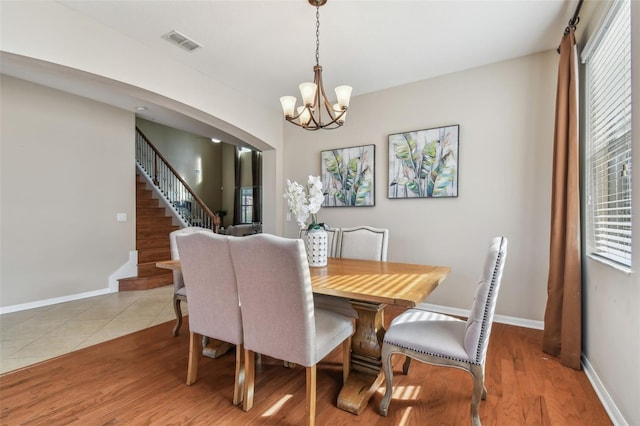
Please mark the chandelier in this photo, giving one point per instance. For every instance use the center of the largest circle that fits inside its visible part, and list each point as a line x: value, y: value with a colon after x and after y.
x: 309, y: 116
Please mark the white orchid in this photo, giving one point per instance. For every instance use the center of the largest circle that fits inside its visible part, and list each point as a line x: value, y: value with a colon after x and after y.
x: 305, y: 201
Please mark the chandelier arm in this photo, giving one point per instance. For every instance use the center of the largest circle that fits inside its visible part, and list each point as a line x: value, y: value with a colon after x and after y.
x: 317, y: 103
x: 290, y: 120
x: 296, y: 116
x: 317, y: 124
x: 327, y: 105
x: 311, y: 128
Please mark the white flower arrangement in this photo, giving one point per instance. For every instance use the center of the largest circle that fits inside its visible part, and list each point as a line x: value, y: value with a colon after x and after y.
x: 305, y: 201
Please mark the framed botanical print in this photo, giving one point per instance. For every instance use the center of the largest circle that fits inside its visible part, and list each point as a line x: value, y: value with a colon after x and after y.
x: 348, y: 176
x: 424, y: 163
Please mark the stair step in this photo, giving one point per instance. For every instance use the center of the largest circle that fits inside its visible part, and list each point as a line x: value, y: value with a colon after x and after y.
x: 144, y: 194
x: 150, y: 269
x: 154, y: 231
x: 144, y: 283
x: 148, y: 202
x: 150, y: 211
x: 150, y: 243
x: 145, y: 221
x: 154, y: 254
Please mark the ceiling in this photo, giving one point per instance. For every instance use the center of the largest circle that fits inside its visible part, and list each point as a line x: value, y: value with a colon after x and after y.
x: 266, y: 48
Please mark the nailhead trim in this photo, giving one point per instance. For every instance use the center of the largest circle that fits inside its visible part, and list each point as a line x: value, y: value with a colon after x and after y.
x: 483, y: 328
x: 433, y: 354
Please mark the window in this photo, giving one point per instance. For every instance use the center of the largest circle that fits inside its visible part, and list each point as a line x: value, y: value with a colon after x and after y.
x: 608, y: 133
x: 246, y: 204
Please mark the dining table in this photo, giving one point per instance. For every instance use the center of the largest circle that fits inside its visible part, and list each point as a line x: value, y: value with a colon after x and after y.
x: 370, y: 286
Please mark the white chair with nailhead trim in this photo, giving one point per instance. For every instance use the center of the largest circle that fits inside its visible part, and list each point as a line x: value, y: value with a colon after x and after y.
x: 447, y: 341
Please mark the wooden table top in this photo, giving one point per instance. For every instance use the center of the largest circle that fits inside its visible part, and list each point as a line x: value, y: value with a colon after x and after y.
x: 394, y: 283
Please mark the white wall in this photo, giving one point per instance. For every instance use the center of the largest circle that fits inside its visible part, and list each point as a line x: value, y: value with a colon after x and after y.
x: 68, y: 166
x: 611, y: 296
x: 505, y: 113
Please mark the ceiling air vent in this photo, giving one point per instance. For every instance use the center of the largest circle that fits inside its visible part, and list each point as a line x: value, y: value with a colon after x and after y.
x: 182, y: 40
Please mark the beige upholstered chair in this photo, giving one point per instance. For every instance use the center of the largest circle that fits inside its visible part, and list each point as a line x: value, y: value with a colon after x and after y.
x: 363, y: 242
x: 214, y: 307
x: 446, y: 341
x: 179, y: 293
x: 278, y: 315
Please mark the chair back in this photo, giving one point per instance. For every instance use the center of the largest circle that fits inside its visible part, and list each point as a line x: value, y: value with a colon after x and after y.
x: 478, y: 327
x: 363, y: 242
x: 274, y: 285
x: 210, y: 282
x: 178, y: 281
x: 332, y: 240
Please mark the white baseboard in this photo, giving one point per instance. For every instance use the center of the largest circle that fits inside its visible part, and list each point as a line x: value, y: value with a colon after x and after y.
x: 503, y: 319
x: 609, y: 405
x: 53, y: 301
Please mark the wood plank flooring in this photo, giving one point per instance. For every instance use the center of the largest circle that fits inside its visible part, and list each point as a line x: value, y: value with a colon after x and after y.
x: 139, y: 379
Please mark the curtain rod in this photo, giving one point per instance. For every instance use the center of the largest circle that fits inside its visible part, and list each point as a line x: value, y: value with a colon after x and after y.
x: 573, y: 22
x: 575, y: 19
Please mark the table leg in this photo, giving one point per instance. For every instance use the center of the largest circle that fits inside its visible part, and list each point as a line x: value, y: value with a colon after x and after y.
x: 366, y: 364
x: 213, y: 348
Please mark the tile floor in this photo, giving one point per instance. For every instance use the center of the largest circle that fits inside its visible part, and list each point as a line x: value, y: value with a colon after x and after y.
x: 34, y: 335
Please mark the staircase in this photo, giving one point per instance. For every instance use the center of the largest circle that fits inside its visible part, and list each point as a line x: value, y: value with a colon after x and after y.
x: 152, y: 242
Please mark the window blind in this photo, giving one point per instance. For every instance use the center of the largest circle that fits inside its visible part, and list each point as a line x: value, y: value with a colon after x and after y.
x: 608, y: 102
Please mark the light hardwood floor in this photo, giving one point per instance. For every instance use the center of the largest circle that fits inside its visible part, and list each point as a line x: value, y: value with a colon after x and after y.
x: 140, y: 379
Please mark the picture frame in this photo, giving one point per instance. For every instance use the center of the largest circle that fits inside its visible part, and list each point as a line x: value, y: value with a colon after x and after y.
x: 424, y: 163
x: 348, y: 176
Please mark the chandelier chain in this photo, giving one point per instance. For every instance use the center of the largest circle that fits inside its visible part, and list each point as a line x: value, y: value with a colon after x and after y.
x: 317, y: 34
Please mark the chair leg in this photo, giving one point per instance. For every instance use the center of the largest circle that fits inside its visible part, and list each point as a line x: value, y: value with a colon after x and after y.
x: 477, y: 372
x: 249, y: 379
x: 194, y: 353
x: 311, y: 396
x: 238, y: 386
x: 388, y: 379
x: 405, y: 366
x: 178, y: 311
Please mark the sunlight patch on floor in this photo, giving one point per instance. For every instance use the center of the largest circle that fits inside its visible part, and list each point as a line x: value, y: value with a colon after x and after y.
x: 277, y: 406
x: 402, y: 392
x: 405, y: 416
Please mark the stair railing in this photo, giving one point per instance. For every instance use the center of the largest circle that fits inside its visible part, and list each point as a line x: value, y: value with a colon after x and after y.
x: 185, y: 202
